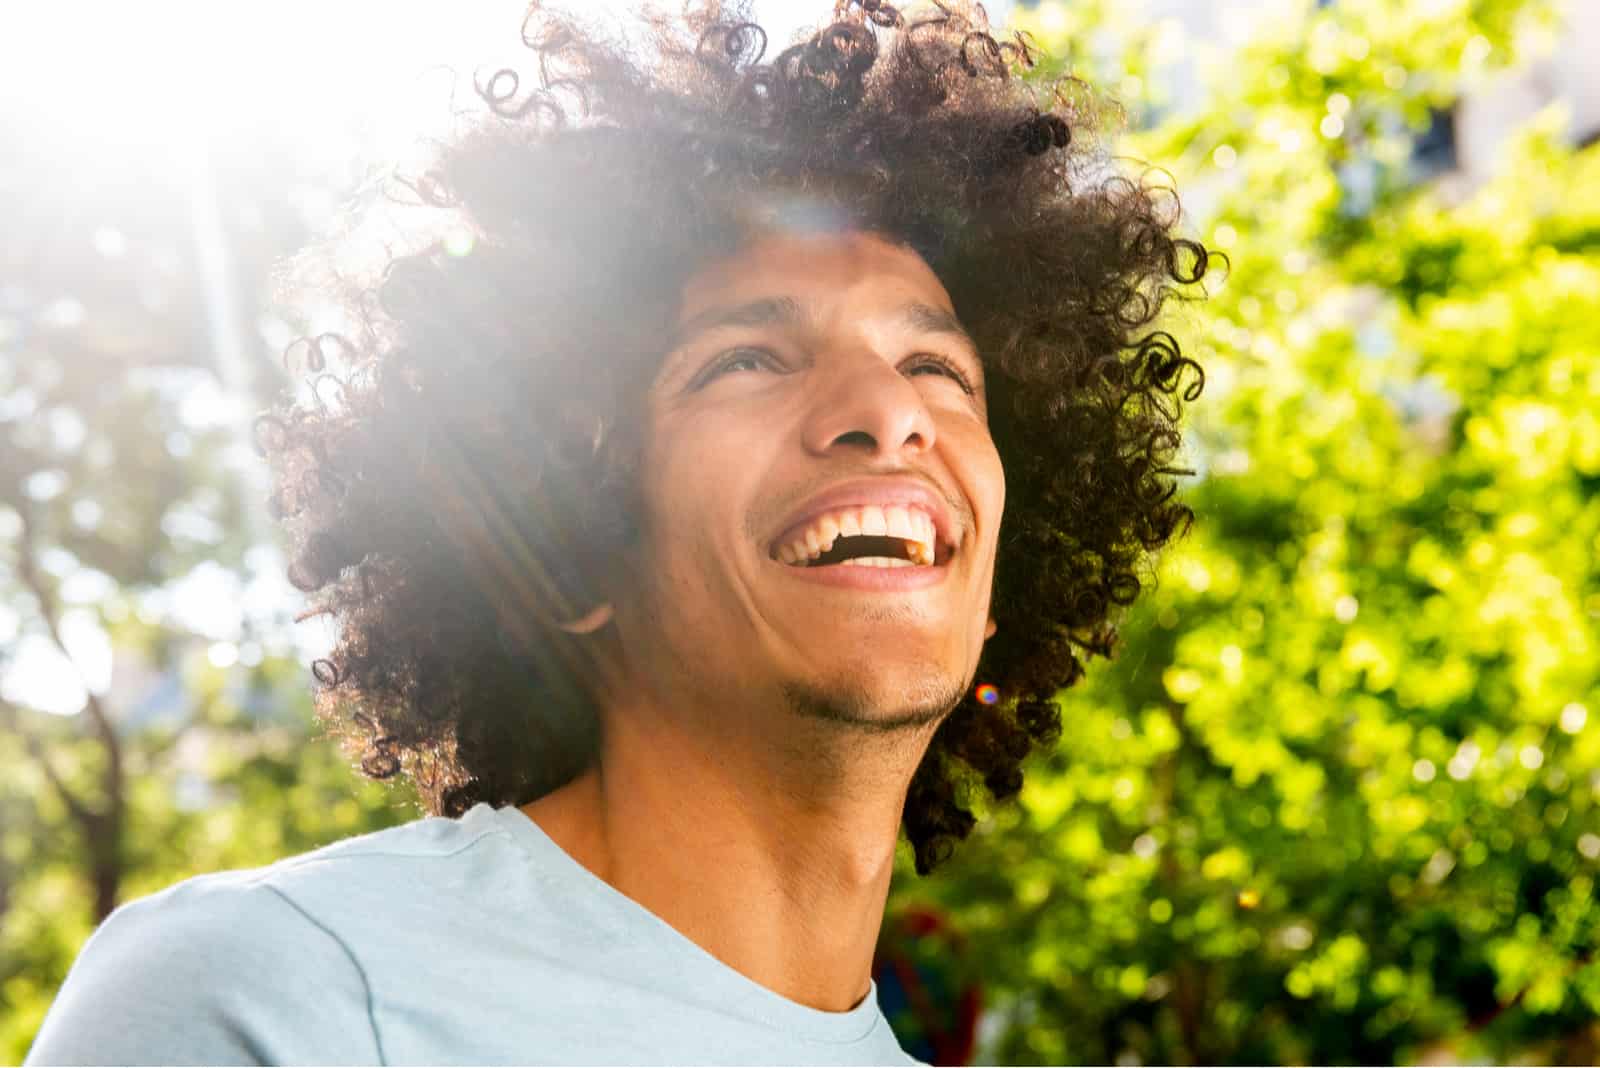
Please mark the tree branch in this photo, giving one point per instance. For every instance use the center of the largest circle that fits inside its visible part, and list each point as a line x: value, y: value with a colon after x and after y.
x: 102, y: 825
x: 75, y: 805
x: 49, y: 610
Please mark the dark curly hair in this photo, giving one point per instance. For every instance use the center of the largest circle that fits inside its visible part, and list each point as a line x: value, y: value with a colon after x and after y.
x: 466, y: 479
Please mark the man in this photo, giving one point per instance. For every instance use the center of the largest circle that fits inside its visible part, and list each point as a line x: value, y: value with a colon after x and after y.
x: 663, y: 522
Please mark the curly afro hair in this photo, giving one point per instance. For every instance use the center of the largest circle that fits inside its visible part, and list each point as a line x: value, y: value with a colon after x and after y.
x: 468, y: 478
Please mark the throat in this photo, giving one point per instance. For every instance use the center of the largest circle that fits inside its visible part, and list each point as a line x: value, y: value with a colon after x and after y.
x: 850, y: 547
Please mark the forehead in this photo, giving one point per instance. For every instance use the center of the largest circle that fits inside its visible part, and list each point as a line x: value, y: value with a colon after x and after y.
x: 814, y: 268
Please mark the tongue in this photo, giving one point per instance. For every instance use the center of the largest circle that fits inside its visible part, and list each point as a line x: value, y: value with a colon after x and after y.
x: 850, y: 547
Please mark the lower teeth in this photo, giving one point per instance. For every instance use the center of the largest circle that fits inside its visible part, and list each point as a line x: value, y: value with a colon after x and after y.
x: 875, y: 561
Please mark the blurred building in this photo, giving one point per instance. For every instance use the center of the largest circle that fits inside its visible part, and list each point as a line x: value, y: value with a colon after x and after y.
x: 1569, y: 74
x: 1465, y: 139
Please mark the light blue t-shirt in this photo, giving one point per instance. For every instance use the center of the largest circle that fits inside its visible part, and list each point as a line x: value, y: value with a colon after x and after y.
x: 470, y: 941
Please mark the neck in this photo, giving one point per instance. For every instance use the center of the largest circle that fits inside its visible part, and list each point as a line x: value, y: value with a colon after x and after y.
x: 774, y: 858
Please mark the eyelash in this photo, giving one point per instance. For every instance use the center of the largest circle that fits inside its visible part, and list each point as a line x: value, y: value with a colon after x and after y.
x: 745, y: 352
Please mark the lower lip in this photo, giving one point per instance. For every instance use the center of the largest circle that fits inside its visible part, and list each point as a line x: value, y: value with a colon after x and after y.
x: 880, y: 579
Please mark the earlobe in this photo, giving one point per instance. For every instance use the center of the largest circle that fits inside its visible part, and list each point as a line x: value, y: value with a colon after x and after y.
x: 590, y: 623
x: 988, y: 632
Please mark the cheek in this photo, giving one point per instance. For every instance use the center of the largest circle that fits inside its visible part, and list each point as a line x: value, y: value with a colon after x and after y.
x: 976, y: 462
x: 695, y: 487
x: 992, y: 473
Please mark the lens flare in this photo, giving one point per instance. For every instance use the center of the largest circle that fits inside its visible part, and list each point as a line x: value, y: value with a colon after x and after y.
x: 988, y: 694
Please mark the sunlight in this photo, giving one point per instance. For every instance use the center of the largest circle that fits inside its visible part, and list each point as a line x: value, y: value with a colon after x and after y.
x: 155, y: 76
x: 159, y: 75
x: 39, y: 676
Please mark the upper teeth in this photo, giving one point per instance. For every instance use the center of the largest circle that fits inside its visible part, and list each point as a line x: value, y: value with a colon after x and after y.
x: 898, y: 521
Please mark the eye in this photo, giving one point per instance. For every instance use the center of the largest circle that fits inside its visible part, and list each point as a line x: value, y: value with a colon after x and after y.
x: 742, y: 357
x: 942, y: 366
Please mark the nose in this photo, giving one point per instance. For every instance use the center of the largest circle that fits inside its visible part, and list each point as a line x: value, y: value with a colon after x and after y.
x: 865, y: 403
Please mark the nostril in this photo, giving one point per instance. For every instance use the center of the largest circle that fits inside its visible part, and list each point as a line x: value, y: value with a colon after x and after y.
x: 856, y: 437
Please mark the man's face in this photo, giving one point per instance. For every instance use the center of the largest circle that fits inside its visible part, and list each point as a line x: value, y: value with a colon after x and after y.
x: 819, y: 390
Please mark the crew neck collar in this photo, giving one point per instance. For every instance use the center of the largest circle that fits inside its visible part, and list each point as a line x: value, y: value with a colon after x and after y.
x: 739, y: 994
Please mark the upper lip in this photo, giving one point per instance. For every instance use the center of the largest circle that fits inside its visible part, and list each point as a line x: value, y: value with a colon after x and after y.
x: 883, y: 492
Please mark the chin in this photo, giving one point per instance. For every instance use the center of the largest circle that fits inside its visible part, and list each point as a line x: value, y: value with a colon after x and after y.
x: 895, y: 700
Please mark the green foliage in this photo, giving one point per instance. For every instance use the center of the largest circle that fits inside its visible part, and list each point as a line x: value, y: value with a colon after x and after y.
x: 1336, y: 801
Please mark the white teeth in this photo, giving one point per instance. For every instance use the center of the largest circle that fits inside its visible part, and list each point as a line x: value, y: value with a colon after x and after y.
x: 898, y: 521
x: 829, y: 531
x: 875, y: 561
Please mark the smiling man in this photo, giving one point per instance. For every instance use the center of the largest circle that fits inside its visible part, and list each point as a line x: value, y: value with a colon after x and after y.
x: 825, y: 500
x: 670, y: 516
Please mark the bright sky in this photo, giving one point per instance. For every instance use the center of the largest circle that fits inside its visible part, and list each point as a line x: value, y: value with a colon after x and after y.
x: 133, y: 69
x: 147, y: 71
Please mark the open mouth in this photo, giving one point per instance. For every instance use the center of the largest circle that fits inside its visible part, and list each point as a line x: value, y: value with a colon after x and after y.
x: 865, y: 537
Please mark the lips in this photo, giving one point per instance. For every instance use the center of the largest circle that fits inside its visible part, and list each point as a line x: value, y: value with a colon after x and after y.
x: 882, y: 493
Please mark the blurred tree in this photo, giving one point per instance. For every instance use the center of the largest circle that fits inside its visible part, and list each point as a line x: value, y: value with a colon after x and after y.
x: 123, y: 480
x: 1336, y: 800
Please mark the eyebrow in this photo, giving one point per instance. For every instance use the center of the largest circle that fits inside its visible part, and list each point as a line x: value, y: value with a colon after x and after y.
x: 768, y: 311
x: 933, y: 320
x: 786, y: 311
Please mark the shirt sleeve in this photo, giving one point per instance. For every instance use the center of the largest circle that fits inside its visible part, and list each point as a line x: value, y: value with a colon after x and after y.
x: 211, y: 971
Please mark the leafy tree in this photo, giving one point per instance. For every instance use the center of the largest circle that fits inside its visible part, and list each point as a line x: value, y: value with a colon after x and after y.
x: 122, y: 477
x: 1336, y: 799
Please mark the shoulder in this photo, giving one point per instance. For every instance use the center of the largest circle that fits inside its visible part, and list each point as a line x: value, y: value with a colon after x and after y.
x: 209, y: 927
x: 394, y: 879
x: 221, y: 969
x: 258, y: 966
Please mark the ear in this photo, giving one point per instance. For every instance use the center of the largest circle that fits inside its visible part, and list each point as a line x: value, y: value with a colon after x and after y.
x: 988, y: 632
x: 590, y: 623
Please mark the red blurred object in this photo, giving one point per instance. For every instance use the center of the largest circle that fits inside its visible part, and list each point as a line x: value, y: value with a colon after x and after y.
x: 945, y: 1011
